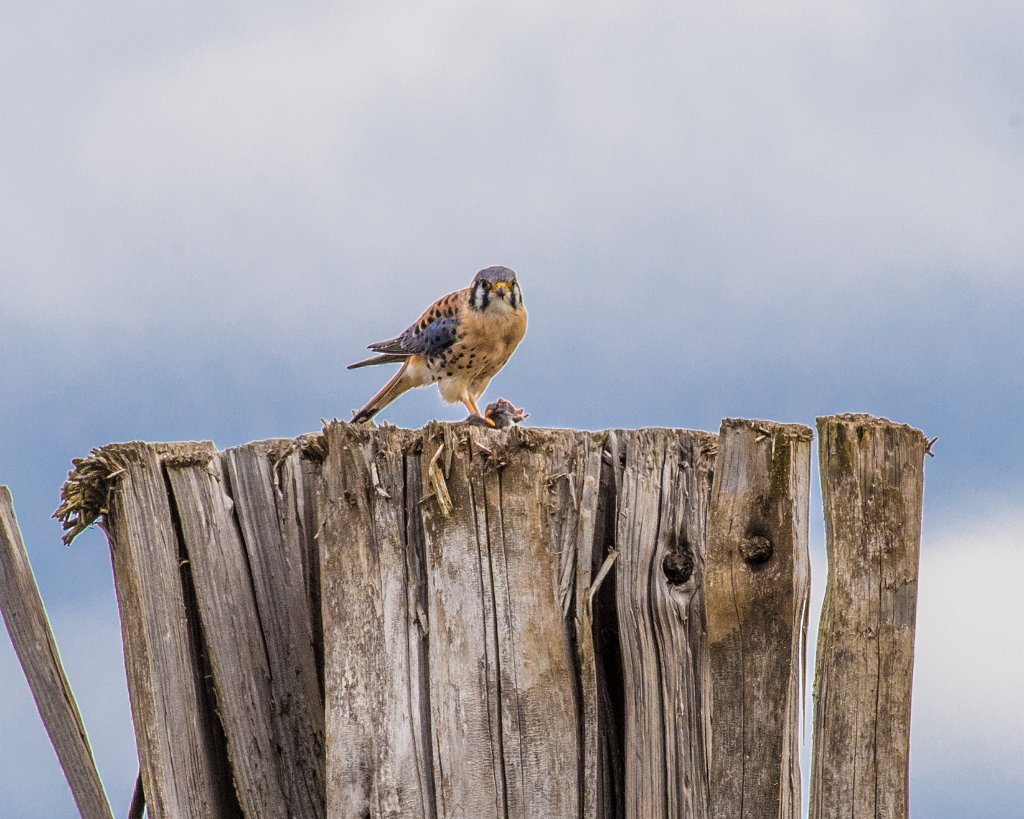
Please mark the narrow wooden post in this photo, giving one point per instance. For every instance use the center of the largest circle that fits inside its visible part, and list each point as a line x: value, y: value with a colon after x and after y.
x: 872, y: 476
x: 30, y: 632
x: 379, y: 747
x: 184, y: 771
x: 502, y: 676
x: 661, y: 534
x: 258, y: 634
x: 271, y: 531
x: 756, y: 596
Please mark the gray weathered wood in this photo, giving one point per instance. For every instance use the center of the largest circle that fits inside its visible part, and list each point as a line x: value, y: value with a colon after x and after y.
x: 180, y: 748
x: 872, y: 476
x: 453, y: 634
x: 33, y: 641
x: 379, y: 753
x: 270, y: 530
x: 501, y: 668
x: 214, y: 559
x: 662, y: 518
x: 756, y: 594
x: 515, y: 622
x: 231, y: 627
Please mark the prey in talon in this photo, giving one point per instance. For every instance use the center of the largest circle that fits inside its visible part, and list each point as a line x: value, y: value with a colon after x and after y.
x: 500, y: 414
x: 459, y: 343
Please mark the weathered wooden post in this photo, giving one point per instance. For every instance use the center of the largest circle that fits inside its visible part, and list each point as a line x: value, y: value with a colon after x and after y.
x: 259, y: 636
x: 757, y: 585
x: 180, y: 747
x: 662, y: 507
x: 211, y: 555
x: 460, y: 621
x: 447, y: 559
x: 463, y: 575
x: 29, y: 628
x: 872, y: 477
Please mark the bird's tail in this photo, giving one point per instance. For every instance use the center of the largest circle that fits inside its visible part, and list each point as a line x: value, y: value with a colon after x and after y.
x: 389, y: 392
x: 387, y: 358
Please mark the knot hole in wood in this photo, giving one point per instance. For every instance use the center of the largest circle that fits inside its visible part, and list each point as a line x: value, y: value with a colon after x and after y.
x: 756, y: 549
x: 678, y: 562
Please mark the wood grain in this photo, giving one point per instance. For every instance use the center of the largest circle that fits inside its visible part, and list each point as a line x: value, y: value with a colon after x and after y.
x: 661, y: 534
x: 379, y: 753
x: 756, y: 597
x: 272, y: 532
x: 872, y: 476
x: 459, y: 621
x: 231, y: 629
x: 181, y: 747
x: 453, y: 637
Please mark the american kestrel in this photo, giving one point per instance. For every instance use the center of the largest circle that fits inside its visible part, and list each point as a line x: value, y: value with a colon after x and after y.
x: 459, y: 343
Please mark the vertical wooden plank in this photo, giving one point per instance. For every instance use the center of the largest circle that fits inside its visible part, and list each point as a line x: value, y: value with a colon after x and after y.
x: 589, y: 548
x: 519, y: 475
x: 503, y: 707
x: 378, y: 754
x: 872, y: 477
x: 231, y: 627
x: 269, y: 530
x: 33, y: 641
x: 465, y: 695
x: 661, y: 533
x: 757, y: 583
x: 298, y: 483
x: 180, y: 747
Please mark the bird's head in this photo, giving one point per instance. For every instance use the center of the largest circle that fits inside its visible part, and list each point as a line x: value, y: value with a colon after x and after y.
x: 495, y: 289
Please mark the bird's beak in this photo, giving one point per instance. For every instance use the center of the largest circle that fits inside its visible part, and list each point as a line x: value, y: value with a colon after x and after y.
x: 501, y: 288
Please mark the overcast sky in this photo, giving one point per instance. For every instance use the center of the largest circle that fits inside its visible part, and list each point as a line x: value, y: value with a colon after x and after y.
x: 731, y: 209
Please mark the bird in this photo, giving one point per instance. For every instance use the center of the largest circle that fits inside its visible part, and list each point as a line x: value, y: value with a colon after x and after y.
x: 459, y: 343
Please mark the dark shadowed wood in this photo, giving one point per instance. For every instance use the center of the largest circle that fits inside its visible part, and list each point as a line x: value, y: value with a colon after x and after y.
x: 872, y: 476
x: 662, y: 518
x: 231, y: 628
x: 270, y: 530
x: 298, y: 477
x: 757, y: 584
x: 180, y: 748
x: 33, y: 641
x: 586, y: 537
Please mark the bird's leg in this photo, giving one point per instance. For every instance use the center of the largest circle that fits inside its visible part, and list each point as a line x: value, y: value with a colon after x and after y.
x: 474, y: 410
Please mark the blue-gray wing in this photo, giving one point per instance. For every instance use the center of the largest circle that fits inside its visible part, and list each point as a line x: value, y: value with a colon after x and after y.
x: 435, y: 337
x: 434, y: 333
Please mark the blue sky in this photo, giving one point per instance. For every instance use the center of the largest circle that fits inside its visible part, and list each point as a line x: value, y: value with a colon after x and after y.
x: 728, y: 210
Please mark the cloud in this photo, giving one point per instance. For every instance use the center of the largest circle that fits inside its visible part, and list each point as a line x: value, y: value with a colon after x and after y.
x: 968, y: 726
x: 248, y: 169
